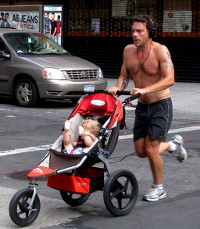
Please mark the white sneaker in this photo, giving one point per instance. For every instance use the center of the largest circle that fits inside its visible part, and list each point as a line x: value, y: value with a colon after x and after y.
x: 182, y: 153
x: 155, y: 194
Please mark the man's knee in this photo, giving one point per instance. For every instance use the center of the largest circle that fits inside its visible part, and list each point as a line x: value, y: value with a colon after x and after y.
x: 141, y: 155
x: 145, y: 151
x: 140, y: 151
x: 140, y: 148
x: 150, y: 152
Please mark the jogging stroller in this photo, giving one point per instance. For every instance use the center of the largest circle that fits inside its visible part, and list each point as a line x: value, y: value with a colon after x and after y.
x: 77, y: 176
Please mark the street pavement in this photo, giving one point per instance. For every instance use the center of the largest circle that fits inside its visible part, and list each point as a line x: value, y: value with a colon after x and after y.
x: 179, y: 210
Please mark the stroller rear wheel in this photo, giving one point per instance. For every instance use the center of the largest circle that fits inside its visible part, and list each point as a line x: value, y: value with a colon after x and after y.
x: 120, y: 192
x: 74, y: 199
x: 20, y: 210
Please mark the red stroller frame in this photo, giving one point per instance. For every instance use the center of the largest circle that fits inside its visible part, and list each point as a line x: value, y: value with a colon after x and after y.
x: 76, y: 174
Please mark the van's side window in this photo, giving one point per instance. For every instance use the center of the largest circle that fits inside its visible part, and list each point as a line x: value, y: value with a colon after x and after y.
x: 3, y: 48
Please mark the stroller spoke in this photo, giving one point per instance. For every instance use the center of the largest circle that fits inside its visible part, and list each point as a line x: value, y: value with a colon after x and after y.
x: 119, y: 201
x: 71, y: 195
x: 115, y: 193
x: 126, y: 184
x: 27, y: 214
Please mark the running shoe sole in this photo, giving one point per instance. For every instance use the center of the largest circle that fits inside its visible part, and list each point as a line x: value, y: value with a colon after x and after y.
x: 155, y: 199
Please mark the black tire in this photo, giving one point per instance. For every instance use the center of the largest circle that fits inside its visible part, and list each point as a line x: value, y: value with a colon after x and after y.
x: 74, y: 199
x: 120, y: 192
x: 25, y: 92
x: 18, y: 208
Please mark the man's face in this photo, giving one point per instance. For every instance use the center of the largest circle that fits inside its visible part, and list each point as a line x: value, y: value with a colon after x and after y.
x: 6, y: 17
x: 52, y: 17
x: 140, y: 33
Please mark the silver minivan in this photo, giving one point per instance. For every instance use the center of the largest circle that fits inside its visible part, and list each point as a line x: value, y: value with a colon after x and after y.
x: 34, y: 67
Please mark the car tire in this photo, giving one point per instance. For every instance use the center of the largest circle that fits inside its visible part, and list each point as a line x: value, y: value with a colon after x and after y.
x: 25, y: 92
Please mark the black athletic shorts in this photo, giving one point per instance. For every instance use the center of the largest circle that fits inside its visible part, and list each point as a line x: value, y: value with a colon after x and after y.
x: 153, y: 120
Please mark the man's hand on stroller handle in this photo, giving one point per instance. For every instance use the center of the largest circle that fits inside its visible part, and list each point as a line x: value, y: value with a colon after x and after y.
x: 135, y: 94
x: 132, y: 97
x: 113, y: 90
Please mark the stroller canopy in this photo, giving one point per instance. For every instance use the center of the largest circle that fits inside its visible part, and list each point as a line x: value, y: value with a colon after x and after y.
x: 103, y: 104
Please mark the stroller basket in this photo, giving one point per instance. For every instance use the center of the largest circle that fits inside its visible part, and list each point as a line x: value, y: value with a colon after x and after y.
x: 85, y: 180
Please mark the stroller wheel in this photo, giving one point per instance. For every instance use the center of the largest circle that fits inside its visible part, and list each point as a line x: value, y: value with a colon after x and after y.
x: 74, y: 199
x: 120, y: 192
x: 20, y: 210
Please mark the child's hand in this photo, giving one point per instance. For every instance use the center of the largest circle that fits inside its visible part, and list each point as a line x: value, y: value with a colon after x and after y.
x: 81, y: 130
x: 67, y: 124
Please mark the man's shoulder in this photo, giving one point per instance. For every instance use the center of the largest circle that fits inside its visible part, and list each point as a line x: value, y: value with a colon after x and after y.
x: 158, y: 46
x: 130, y: 47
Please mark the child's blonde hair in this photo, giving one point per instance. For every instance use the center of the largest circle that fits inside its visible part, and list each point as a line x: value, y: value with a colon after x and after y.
x: 91, y: 125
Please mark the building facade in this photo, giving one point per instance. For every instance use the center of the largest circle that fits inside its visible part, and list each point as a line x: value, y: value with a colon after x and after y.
x: 98, y: 30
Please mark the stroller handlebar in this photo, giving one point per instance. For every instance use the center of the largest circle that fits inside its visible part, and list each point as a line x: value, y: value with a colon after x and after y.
x: 132, y: 97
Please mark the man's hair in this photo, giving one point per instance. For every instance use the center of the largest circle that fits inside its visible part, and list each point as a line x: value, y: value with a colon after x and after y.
x: 148, y: 21
x: 2, y: 14
x: 91, y: 125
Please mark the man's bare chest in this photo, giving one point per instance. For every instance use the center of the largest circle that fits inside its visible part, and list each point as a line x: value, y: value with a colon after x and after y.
x: 150, y: 67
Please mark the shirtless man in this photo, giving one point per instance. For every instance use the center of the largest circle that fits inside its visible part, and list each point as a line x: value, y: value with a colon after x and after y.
x: 150, y: 66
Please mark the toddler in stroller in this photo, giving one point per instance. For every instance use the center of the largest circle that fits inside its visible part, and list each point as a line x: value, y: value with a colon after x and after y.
x: 78, y: 175
x: 88, y: 133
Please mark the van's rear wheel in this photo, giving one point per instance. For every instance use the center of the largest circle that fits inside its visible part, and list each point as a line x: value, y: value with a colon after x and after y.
x: 25, y: 92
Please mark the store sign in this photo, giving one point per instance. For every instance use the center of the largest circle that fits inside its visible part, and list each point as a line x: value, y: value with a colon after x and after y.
x: 177, y: 21
x: 56, y: 12
x: 95, y: 25
x: 25, y: 20
x: 53, y: 8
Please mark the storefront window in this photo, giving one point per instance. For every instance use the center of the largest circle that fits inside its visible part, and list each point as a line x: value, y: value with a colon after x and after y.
x: 123, y: 12
x: 4, y: 2
x: 181, y: 18
x: 177, y: 16
x: 88, y: 18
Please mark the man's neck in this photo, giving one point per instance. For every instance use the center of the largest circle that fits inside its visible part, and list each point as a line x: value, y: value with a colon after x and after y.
x: 145, y: 47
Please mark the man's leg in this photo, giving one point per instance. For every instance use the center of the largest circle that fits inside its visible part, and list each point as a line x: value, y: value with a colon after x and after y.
x: 175, y: 145
x: 164, y: 146
x: 147, y: 147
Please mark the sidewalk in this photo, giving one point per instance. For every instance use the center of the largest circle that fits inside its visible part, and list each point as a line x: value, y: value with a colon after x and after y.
x: 185, y: 96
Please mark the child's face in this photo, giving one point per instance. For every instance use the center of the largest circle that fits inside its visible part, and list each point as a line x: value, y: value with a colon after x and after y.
x: 83, y: 133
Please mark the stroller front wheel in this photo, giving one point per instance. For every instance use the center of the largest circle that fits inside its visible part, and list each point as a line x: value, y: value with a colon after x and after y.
x: 20, y: 210
x: 74, y: 199
x: 120, y: 192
